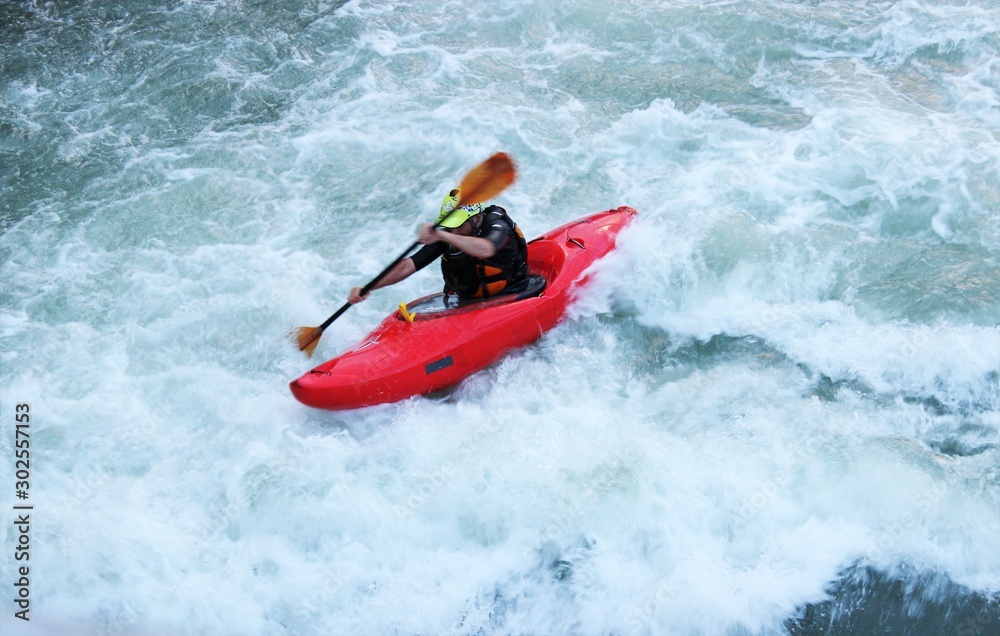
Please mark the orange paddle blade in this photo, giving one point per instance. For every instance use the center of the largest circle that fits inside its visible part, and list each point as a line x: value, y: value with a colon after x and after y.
x: 308, y: 338
x: 487, y: 180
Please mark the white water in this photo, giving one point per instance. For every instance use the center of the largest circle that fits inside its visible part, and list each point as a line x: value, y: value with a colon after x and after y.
x: 787, y: 372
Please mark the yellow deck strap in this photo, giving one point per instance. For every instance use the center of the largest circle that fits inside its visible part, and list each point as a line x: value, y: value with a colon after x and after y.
x: 406, y: 314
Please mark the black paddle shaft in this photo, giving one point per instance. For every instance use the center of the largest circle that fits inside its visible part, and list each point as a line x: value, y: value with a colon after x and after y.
x: 367, y: 288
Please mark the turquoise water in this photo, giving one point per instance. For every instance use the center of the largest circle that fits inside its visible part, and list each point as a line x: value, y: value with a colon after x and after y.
x: 775, y: 410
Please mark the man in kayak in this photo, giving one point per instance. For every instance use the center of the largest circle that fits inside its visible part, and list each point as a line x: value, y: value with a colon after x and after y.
x: 483, y: 252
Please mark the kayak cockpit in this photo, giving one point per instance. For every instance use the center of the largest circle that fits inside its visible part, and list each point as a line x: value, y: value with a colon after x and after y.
x: 441, y: 304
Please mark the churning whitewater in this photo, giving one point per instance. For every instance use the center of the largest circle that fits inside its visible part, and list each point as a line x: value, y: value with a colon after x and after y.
x: 774, y: 409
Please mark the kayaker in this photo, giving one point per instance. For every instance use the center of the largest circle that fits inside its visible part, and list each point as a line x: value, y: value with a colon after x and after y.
x: 483, y: 252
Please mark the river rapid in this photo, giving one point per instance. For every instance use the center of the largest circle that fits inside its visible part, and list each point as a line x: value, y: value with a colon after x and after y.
x: 774, y: 410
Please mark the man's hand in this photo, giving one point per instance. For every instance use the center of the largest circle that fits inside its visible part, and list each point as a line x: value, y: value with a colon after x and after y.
x: 429, y: 234
x: 355, y: 296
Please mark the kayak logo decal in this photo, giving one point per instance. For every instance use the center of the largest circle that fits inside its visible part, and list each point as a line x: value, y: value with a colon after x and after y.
x: 437, y: 365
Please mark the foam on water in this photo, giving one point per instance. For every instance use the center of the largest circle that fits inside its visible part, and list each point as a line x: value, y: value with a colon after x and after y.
x: 785, y: 379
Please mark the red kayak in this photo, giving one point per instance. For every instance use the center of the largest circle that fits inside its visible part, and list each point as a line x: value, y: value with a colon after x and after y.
x: 437, y: 342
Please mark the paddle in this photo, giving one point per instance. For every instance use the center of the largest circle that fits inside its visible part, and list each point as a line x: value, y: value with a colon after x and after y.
x: 483, y: 182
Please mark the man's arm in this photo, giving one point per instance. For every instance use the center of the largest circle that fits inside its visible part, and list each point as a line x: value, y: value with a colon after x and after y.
x: 471, y: 245
x: 401, y: 271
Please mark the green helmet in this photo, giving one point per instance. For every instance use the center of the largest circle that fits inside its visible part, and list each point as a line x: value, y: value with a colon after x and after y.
x: 452, y: 214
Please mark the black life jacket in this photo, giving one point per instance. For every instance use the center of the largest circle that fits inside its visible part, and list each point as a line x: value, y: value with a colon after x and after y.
x: 471, y: 277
